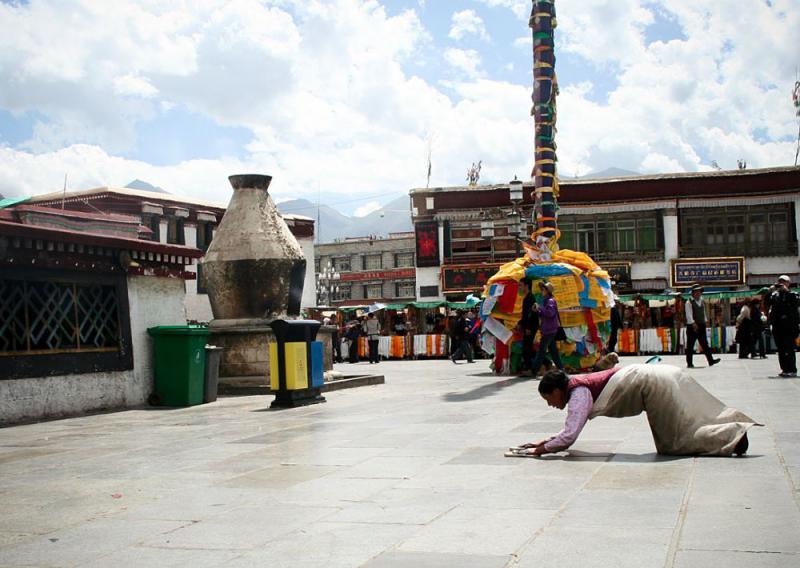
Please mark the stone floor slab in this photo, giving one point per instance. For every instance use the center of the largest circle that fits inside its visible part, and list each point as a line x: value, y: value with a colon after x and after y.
x: 598, y: 548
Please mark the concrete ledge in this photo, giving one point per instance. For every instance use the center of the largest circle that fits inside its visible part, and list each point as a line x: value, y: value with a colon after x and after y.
x: 352, y: 381
x: 249, y: 386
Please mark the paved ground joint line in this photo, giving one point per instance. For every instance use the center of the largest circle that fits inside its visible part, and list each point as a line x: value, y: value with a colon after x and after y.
x: 678, y: 530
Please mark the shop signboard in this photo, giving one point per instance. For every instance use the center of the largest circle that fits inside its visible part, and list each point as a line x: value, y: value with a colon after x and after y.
x: 378, y: 275
x: 716, y: 271
x: 427, y: 240
x: 620, y: 273
x: 467, y: 277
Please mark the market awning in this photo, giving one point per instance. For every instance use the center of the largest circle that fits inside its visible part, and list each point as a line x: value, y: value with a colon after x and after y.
x: 428, y: 305
x: 349, y: 309
x: 11, y: 201
x: 707, y: 295
x: 397, y: 306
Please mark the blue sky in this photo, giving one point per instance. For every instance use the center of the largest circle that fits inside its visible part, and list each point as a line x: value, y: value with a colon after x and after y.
x: 343, y: 98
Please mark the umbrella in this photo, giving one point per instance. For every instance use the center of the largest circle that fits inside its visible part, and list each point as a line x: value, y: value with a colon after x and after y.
x: 376, y: 307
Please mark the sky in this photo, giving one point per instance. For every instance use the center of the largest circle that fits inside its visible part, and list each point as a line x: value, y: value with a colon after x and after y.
x: 342, y: 101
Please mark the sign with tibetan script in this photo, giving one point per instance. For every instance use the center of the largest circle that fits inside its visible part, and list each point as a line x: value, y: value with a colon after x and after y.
x: 722, y: 271
x: 378, y: 275
x: 467, y: 277
x: 427, y: 238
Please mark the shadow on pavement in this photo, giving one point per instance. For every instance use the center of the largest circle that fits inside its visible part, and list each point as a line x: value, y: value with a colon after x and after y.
x: 578, y: 456
x: 483, y: 391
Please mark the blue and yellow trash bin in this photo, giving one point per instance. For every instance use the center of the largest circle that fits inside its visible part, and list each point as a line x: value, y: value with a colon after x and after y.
x: 295, y: 363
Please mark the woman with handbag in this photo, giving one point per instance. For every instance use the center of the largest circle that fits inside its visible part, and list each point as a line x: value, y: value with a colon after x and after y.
x: 550, y: 325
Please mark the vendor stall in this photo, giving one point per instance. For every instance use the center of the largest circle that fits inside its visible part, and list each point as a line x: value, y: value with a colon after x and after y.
x: 655, y: 322
x: 430, y: 322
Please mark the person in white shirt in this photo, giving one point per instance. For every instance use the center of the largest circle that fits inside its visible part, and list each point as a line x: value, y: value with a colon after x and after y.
x: 373, y: 331
x: 696, y: 327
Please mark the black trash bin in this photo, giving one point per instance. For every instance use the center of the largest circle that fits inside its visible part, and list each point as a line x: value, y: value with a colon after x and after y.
x: 213, y: 355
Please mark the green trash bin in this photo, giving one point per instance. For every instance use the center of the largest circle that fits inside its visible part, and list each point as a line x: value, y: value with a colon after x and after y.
x: 180, y: 364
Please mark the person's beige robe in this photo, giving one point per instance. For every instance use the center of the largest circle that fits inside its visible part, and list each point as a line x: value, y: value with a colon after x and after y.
x: 684, y: 417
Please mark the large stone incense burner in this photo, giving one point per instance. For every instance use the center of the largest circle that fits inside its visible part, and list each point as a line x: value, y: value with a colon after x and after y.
x: 254, y: 268
x: 254, y: 271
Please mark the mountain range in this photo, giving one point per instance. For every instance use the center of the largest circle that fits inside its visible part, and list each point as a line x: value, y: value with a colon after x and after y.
x: 394, y: 217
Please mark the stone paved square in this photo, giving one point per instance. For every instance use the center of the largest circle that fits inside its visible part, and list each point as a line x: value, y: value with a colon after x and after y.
x: 409, y: 473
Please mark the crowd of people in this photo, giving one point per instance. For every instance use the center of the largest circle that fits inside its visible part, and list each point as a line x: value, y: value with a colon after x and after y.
x: 776, y: 314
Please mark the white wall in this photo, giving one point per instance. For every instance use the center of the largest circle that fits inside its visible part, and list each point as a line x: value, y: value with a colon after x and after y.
x: 198, y: 307
x: 429, y: 276
x: 309, y: 299
x: 153, y: 301
x: 649, y: 270
x: 772, y: 265
x: 671, y: 249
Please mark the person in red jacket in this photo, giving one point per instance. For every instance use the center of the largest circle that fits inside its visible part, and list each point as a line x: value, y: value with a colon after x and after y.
x: 684, y: 418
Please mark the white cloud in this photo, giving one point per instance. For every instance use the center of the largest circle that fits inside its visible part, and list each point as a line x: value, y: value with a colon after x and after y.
x: 467, y: 61
x: 365, y: 210
x: 134, y: 86
x: 525, y: 41
x: 521, y: 8
x: 603, y: 32
x: 467, y: 22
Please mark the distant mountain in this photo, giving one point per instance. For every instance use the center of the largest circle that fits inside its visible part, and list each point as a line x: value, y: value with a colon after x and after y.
x: 1, y: 196
x: 394, y: 217
x: 611, y: 173
x: 329, y: 223
x: 144, y: 186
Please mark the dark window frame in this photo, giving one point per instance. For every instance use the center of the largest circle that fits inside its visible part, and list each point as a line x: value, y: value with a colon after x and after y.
x: 21, y: 365
x: 204, y: 234
x: 604, y: 238
x: 180, y: 231
x: 716, y: 230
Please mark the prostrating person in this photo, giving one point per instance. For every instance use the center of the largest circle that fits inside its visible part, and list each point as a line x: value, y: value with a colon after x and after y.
x: 684, y: 418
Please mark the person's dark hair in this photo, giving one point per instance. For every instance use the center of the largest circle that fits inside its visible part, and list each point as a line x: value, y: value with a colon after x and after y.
x: 372, y: 314
x: 528, y: 282
x: 552, y: 380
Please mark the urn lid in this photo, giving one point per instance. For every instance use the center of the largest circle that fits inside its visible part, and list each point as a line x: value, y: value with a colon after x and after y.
x: 255, y: 181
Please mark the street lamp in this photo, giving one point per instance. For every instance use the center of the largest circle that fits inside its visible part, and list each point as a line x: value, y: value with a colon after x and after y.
x: 515, y: 191
x: 327, y: 285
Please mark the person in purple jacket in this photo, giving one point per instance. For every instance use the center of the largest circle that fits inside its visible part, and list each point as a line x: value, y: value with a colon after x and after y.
x: 548, y: 315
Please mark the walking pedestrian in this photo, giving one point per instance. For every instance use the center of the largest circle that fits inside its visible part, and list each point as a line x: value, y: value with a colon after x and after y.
x: 783, y: 316
x: 696, y: 327
x: 744, y: 332
x: 528, y: 323
x: 373, y: 337
x: 550, y: 322
x: 351, y: 335
x: 616, y: 325
x: 460, y: 335
x: 758, y: 320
